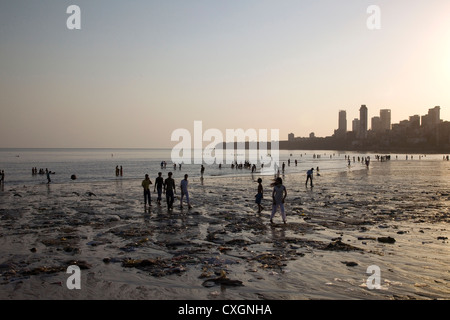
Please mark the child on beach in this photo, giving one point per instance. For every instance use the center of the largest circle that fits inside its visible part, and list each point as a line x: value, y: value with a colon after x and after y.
x: 146, y: 185
x: 279, y: 194
x: 159, y: 182
x: 259, y: 195
x: 184, y: 191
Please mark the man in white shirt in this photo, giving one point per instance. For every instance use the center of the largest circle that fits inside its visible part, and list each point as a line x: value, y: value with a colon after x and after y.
x: 184, y: 191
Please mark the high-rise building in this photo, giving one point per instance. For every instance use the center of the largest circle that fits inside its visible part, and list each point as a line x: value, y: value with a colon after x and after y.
x: 355, y: 126
x: 376, y: 124
x: 342, y: 129
x: 414, y: 121
x: 385, y: 120
x: 291, y: 137
x: 363, y: 122
x: 432, y: 119
x: 434, y: 116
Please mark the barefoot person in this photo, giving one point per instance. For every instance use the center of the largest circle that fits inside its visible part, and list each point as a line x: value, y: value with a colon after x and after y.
x: 169, y: 188
x: 146, y: 185
x: 159, y: 182
x: 259, y: 195
x: 279, y: 194
x: 184, y: 191
x: 309, y: 176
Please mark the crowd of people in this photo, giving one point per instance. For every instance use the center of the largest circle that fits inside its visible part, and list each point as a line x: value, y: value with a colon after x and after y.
x: 168, y: 188
x: 35, y: 171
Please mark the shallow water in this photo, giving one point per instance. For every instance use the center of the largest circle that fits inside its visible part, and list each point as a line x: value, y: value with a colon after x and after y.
x: 350, y: 209
x: 95, y: 165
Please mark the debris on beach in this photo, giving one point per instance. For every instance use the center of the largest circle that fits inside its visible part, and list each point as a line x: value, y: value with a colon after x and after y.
x: 222, y: 280
x: 386, y: 240
x: 270, y: 260
x: 340, y: 246
x: 156, y: 267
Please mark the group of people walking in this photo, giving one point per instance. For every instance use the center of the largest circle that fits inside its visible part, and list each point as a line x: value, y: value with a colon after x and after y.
x: 168, y: 187
x: 279, y: 192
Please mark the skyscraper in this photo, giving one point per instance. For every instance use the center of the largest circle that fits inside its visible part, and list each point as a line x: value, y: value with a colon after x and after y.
x: 432, y: 119
x: 363, y: 122
x: 342, y: 129
x: 385, y: 120
x: 355, y: 126
x: 376, y: 124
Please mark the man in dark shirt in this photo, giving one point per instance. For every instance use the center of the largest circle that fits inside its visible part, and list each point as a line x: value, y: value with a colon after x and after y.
x: 169, y: 187
x: 159, y: 182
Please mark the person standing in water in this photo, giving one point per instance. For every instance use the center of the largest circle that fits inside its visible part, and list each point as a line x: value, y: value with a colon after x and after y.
x: 202, y: 171
x: 184, y: 191
x: 146, y: 185
x: 169, y: 188
x: 279, y: 194
x: 47, y: 172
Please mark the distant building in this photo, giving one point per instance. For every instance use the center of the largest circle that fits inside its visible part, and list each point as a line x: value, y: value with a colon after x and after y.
x: 363, y: 122
x: 432, y: 119
x: 342, y: 129
x: 385, y: 120
x: 430, y: 124
x: 414, y: 121
x: 355, y: 126
x: 312, y: 135
x: 291, y: 137
x: 376, y: 124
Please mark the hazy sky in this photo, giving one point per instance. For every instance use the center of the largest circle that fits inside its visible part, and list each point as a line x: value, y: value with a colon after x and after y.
x: 138, y: 70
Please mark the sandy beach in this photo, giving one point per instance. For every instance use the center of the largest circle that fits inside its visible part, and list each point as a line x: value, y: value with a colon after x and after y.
x: 394, y: 215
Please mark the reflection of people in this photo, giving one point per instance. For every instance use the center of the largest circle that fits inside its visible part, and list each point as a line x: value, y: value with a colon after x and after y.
x: 169, y: 187
x: 159, y: 182
x: 184, y: 191
x: 259, y: 195
x: 279, y: 194
x: 309, y: 176
x: 146, y: 185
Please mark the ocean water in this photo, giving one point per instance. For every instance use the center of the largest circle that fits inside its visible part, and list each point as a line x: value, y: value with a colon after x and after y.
x: 91, y: 165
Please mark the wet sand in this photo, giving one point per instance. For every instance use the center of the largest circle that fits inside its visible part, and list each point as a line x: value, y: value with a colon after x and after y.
x: 394, y: 215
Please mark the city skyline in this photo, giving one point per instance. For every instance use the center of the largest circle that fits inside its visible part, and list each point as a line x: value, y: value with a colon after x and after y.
x: 384, y: 123
x: 135, y: 72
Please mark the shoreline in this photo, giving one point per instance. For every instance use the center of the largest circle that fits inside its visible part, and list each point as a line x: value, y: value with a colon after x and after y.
x: 330, y: 239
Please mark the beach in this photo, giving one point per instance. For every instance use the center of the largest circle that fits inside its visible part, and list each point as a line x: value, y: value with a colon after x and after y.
x: 393, y: 215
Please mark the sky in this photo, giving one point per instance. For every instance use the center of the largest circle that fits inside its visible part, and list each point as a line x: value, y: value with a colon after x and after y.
x: 137, y: 70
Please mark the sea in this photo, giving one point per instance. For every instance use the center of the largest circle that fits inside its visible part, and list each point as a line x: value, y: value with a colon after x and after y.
x: 99, y: 164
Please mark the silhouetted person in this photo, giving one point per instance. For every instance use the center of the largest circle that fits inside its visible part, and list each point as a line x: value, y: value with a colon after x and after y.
x: 169, y: 187
x: 309, y: 176
x: 159, y: 183
x: 146, y: 185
